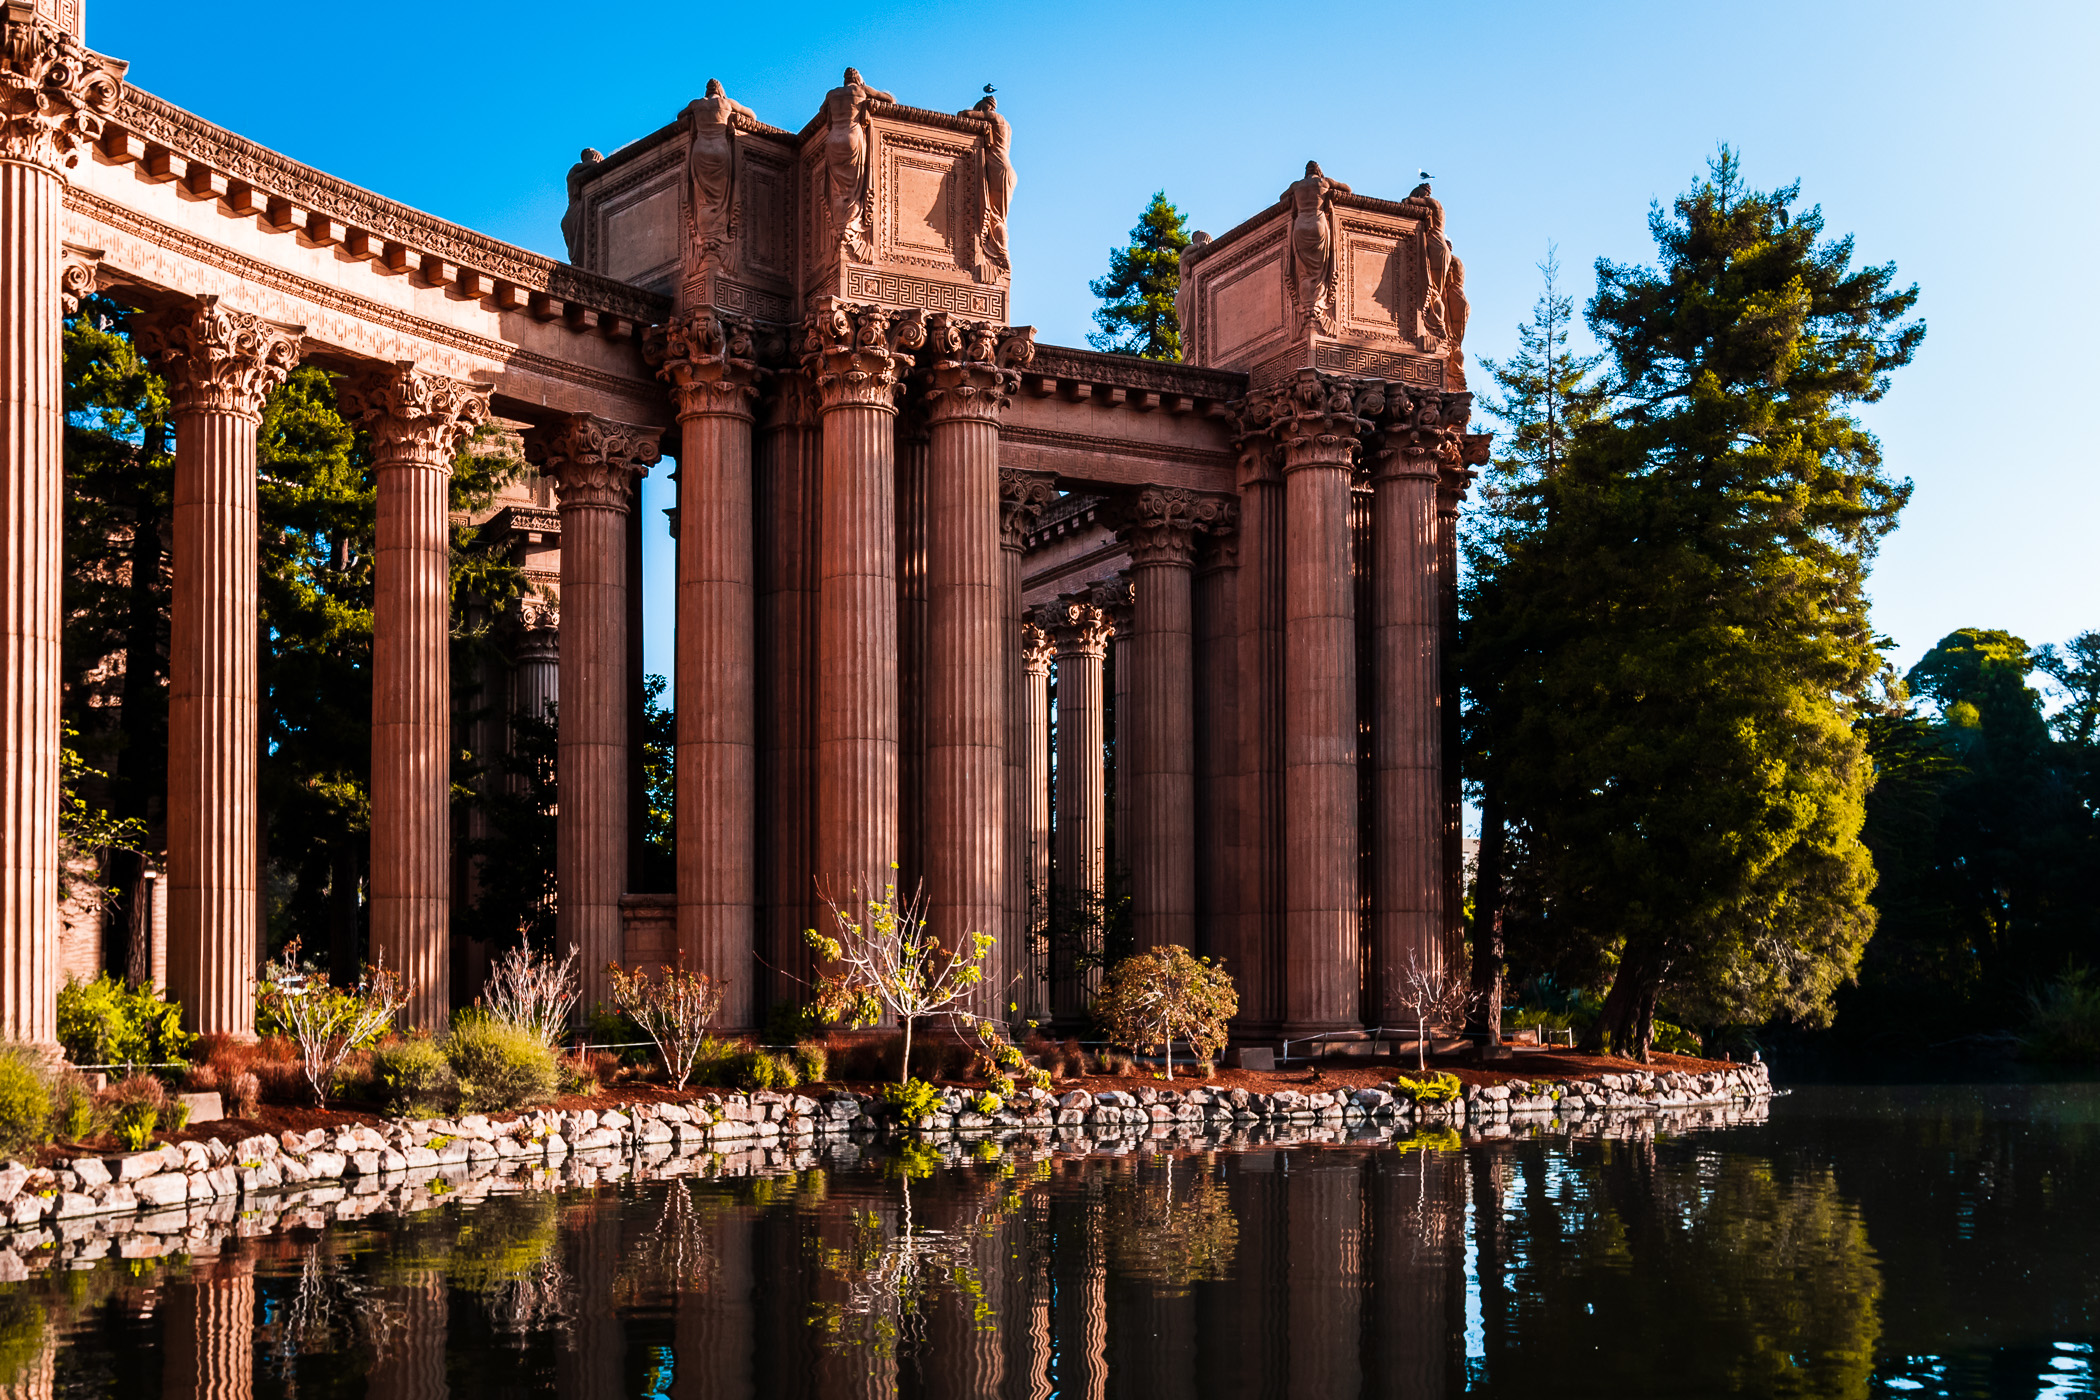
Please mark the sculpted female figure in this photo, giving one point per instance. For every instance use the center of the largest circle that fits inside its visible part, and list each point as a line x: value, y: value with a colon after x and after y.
x: 846, y: 157
x: 998, y: 184
x: 710, y: 164
x: 1311, y: 243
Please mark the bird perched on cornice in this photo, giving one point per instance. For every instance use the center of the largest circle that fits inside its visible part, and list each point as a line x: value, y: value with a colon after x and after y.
x: 1424, y: 175
x: 989, y: 89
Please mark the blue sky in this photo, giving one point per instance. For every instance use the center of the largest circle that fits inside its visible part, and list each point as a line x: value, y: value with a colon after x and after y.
x: 1957, y: 141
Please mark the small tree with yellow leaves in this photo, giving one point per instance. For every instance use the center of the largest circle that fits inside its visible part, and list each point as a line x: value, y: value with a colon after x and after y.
x: 1167, y: 994
x: 883, y: 961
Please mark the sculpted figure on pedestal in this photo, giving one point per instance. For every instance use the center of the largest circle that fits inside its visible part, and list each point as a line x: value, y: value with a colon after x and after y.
x: 999, y: 182
x: 1444, y: 308
x: 1182, y: 304
x: 710, y: 166
x: 846, y: 159
x: 578, y: 173
x: 1311, y: 245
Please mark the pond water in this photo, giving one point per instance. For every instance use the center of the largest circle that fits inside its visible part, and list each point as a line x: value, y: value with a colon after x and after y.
x: 1913, y: 1241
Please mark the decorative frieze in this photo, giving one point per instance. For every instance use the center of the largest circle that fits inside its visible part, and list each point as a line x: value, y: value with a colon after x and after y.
x: 218, y: 360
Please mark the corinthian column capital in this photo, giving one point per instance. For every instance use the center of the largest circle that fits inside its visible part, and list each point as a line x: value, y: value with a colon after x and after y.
x: 595, y: 462
x: 856, y: 353
x: 709, y: 361
x: 415, y: 418
x: 1077, y: 627
x: 220, y: 361
x: 1165, y: 521
x: 973, y: 367
x: 1420, y: 433
x: 1023, y: 496
x: 1037, y: 650
x: 54, y: 94
x: 79, y: 273
x: 1316, y: 418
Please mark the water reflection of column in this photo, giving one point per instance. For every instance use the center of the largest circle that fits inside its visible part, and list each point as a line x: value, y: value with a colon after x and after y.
x: 1079, y: 1317
x: 1324, y: 1220
x: 411, y: 1366
x: 210, y: 1332
x: 591, y: 1363
x: 1024, y: 1316
x: 962, y: 1358
x: 1244, y: 1346
x: 716, y: 1328
x: 1414, y: 1261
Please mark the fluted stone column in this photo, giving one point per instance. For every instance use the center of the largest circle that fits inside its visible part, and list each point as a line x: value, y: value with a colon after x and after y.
x: 1159, y: 727
x: 1115, y: 597
x: 220, y: 366
x: 1253, y: 942
x: 969, y: 648
x: 535, y: 681
x: 785, y: 491
x: 1081, y: 632
x: 857, y: 363
x: 597, y: 467
x: 1407, y: 743
x: 418, y: 422
x: 1317, y: 426
x: 1022, y: 496
x: 58, y: 95
x: 714, y: 382
x: 1452, y: 479
x: 1037, y: 653
x: 1217, y: 740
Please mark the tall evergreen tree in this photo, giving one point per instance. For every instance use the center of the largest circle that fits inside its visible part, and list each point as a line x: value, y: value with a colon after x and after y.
x: 1138, y: 317
x: 1683, y: 651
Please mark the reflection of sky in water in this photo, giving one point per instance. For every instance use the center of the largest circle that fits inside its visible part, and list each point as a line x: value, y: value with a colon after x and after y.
x: 1918, y: 1242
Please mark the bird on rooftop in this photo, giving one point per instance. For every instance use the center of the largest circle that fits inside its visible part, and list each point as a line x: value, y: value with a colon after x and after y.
x: 1423, y: 174
x: 989, y: 88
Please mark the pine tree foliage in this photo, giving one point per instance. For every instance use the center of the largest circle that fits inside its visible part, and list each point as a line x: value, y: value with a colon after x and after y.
x: 1138, y: 317
x: 1677, y: 656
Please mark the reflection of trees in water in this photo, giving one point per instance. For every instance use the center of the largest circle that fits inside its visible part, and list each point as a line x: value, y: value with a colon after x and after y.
x: 676, y: 1254
x: 1694, y: 1272
x: 1169, y: 1222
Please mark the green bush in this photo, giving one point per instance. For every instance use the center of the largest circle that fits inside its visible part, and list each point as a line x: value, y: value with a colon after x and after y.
x: 75, y: 1116
x: 25, y: 1099
x: 813, y: 1060
x: 913, y: 1099
x: 2063, y: 1018
x: 498, y: 1066
x: 412, y: 1079
x: 1438, y: 1086
x: 1676, y: 1040
x: 760, y: 1071
x: 140, y: 1099
x: 104, y: 1022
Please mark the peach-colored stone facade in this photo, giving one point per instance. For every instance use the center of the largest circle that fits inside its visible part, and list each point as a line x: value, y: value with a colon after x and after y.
x: 904, y: 527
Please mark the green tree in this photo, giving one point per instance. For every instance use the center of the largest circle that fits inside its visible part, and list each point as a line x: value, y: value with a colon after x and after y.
x: 1681, y: 649
x: 1138, y: 317
x: 2075, y: 667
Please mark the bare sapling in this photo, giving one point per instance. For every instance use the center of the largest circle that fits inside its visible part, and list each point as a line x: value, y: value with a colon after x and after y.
x: 884, y: 962
x: 328, y: 1023
x: 1435, y: 993
x: 673, y: 1008
x: 536, y: 994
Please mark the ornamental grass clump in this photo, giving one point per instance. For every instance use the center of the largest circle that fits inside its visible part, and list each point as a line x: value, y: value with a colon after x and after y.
x: 1154, y: 998
x: 672, y: 1008
x: 327, y: 1023
x: 499, y: 1066
x: 137, y: 1102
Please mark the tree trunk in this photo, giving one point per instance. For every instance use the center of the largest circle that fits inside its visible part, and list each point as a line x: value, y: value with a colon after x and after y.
x: 1485, y: 1024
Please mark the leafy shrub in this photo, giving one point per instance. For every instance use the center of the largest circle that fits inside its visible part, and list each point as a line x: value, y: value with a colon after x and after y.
x: 75, y: 1116
x: 2063, y: 1020
x: 499, y: 1066
x: 987, y: 1103
x: 104, y: 1022
x: 1154, y: 998
x: 412, y: 1078
x: 673, y: 1008
x: 759, y: 1071
x: 790, y: 1023
x: 328, y: 1023
x: 137, y: 1101
x: 1676, y: 1040
x: 913, y: 1099
x: 1438, y: 1086
x: 247, y: 1094
x: 25, y: 1098
x: 813, y: 1060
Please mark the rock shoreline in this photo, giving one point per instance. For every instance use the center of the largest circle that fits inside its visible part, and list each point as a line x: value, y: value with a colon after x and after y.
x: 190, y: 1173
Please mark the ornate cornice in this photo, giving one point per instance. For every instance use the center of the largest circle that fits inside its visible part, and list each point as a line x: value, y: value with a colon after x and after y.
x: 219, y: 361
x: 54, y: 94
x: 1164, y: 523
x: 1131, y: 372
x: 79, y: 274
x: 709, y: 360
x: 1023, y: 496
x: 596, y: 463
x: 1078, y: 628
x: 1037, y: 650
x: 415, y: 418
x: 973, y: 367
x: 856, y: 352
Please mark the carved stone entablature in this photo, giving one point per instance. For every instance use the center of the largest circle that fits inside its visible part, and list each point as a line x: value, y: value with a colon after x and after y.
x: 79, y: 274
x: 973, y: 367
x: 1037, y: 649
x: 1165, y: 521
x: 709, y: 362
x: 1077, y: 626
x: 416, y: 418
x: 55, y: 95
x: 1317, y: 418
x: 595, y: 462
x: 1418, y: 433
x: 1023, y: 496
x: 857, y: 352
x: 218, y: 360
